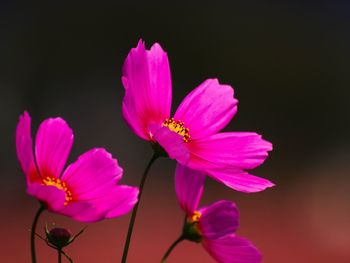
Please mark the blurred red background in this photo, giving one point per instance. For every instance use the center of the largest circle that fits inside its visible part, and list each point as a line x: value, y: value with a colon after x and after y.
x: 289, y: 65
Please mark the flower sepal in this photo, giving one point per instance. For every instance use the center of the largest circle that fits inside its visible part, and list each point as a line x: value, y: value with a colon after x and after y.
x: 191, y: 231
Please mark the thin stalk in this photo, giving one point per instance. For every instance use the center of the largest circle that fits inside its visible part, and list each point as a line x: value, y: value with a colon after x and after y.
x: 32, y: 233
x: 134, y: 211
x: 59, y: 252
x: 177, y: 241
x: 67, y: 257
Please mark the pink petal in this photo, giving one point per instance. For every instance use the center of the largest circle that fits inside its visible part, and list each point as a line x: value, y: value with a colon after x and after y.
x: 244, y: 150
x: 53, y: 143
x: 240, y: 180
x: 147, y: 83
x: 82, y: 211
x: 122, y: 201
x: 172, y: 143
x: 93, y: 179
x: 53, y: 197
x: 207, y: 109
x: 232, y: 249
x: 189, y: 188
x: 24, y: 147
x: 219, y: 219
x: 94, y: 171
x: 116, y: 201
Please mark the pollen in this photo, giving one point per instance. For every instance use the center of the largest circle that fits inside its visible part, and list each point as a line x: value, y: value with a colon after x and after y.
x: 53, y: 181
x: 195, y: 216
x: 178, y: 127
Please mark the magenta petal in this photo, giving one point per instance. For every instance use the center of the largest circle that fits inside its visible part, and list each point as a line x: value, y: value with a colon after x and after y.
x: 93, y: 179
x: 172, y: 143
x: 116, y: 201
x: 189, y: 188
x: 83, y: 211
x: 53, y: 197
x: 219, y: 219
x: 24, y: 147
x: 243, y: 150
x: 232, y: 249
x: 124, y: 200
x: 92, y: 172
x: 240, y: 180
x: 207, y: 109
x: 53, y: 143
x: 147, y: 83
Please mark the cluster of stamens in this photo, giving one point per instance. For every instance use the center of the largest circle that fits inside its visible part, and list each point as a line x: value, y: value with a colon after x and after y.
x: 195, y: 217
x: 53, y: 181
x: 178, y: 127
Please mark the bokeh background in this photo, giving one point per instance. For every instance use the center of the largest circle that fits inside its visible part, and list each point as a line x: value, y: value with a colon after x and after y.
x: 289, y: 64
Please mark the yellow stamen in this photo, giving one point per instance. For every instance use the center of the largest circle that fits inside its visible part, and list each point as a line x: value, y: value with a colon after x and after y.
x: 178, y: 127
x: 195, y: 216
x: 53, y: 181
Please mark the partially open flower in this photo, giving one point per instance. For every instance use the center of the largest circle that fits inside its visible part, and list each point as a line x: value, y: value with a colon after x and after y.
x: 215, y: 225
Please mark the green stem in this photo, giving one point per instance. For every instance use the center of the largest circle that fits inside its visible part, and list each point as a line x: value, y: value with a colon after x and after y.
x: 59, y: 251
x: 177, y: 241
x: 32, y: 233
x: 134, y: 211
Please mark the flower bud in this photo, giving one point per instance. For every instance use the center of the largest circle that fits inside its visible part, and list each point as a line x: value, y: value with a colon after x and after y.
x: 58, y: 237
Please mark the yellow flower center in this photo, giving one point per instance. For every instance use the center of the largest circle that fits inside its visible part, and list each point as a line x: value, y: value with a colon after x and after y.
x: 178, y: 127
x: 52, y: 181
x: 195, y: 217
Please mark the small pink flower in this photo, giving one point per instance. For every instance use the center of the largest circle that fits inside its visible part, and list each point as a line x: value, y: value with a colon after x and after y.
x: 191, y: 136
x: 215, y: 225
x: 87, y: 190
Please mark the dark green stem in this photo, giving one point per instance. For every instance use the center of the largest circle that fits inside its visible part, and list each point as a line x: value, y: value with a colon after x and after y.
x: 134, y: 211
x: 67, y: 257
x: 32, y: 233
x: 59, y: 251
x: 177, y: 241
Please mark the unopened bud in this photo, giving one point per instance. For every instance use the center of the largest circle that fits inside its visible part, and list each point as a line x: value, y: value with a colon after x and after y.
x: 58, y: 237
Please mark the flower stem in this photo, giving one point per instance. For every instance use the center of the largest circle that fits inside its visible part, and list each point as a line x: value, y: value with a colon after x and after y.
x: 134, y: 211
x: 59, y: 251
x: 67, y: 257
x: 177, y: 241
x: 32, y: 233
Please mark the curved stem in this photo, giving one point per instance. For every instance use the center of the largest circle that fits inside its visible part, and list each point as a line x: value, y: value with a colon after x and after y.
x: 59, y: 251
x: 134, y: 211
x: 177, y: 241
x: 32, y: 233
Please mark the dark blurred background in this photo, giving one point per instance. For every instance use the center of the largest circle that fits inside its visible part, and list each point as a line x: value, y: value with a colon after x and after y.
x: 289, y: 64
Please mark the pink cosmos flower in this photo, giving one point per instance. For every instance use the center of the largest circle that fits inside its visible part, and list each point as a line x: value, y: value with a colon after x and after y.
x: 192, y: 136
x: 87, y: 190
x: 214, y: 225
